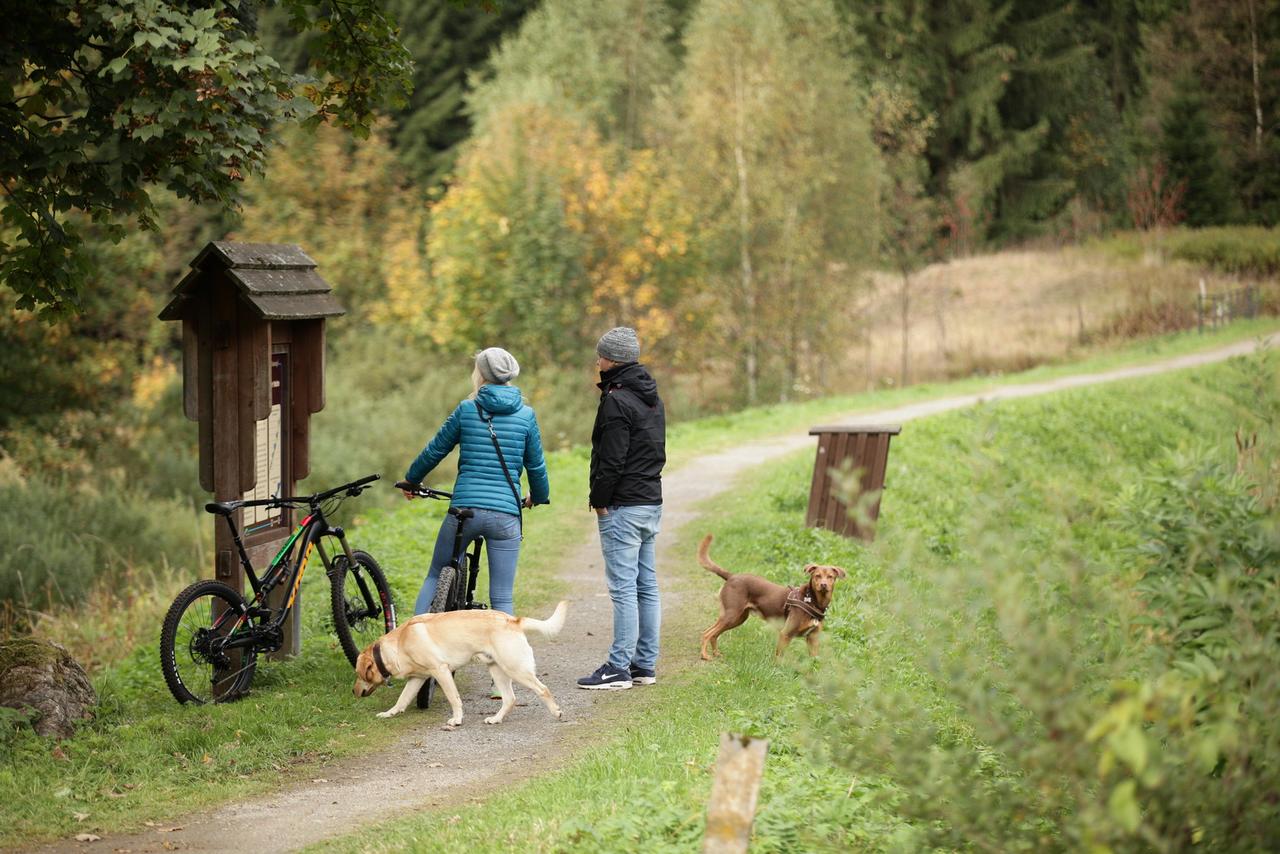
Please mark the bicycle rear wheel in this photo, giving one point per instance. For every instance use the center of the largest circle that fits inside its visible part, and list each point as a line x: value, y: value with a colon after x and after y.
x: 443, y: 590
x: 196, y: 667
x: 363, y: 610
x: 450, y: 589
x: 449, y: 586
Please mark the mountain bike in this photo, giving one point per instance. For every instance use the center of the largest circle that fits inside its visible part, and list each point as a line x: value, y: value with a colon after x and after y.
x: 212, y: 636
x: 456, y: 584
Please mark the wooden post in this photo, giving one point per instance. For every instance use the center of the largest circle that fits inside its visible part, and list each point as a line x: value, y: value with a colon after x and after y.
x: 1200, y: 309
x: 732, y: 807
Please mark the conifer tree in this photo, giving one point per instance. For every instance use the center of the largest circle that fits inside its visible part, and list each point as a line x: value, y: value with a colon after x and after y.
x: 449, y: 42
x: 1009, y: 84
x: 1191, y: 151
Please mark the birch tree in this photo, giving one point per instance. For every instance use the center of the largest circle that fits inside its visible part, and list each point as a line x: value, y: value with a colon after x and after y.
x: 769, y: 140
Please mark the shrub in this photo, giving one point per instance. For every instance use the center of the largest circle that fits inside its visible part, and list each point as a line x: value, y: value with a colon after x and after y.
x: 65, y: 536
x: 1241, y: 250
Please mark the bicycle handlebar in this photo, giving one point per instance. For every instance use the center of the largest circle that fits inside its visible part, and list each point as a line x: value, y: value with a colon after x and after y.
x: 352, y: 489
x: 420, y: 491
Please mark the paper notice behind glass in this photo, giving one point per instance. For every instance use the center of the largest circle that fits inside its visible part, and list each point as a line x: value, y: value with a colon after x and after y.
x: 268, y: 452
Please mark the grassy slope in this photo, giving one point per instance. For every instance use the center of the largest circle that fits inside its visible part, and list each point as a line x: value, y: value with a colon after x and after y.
x: 147, y: 758
x: 1060, y: 459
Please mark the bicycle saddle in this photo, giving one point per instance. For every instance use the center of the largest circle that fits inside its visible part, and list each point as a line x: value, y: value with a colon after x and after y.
x: 223, y: 508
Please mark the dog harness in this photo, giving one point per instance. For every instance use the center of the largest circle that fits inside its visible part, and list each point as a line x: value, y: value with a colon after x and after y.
x: 377, y: 659
x: 800, y: 597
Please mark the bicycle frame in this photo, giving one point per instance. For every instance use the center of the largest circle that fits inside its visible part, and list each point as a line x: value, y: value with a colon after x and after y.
x: 473, y: 572
x: 307, y: 536
x: 460, y: 546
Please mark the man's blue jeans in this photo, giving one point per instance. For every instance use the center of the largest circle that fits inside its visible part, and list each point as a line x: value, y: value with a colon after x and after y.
x: 627, y: 538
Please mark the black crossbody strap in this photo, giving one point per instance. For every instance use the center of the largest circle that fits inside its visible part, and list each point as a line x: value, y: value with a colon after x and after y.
x: 515, y: 491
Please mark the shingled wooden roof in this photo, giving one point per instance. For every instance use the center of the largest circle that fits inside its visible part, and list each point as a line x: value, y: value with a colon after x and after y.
x: 278, y: 280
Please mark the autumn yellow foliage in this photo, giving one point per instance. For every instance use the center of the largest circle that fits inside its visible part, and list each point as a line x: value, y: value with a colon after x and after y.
x: 550, y: 234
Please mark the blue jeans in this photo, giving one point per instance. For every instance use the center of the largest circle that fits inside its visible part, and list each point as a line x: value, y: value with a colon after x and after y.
x: 627, y: 538
x: 501, y: 532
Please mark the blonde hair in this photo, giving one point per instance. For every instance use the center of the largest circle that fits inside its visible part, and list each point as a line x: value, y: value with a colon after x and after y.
x: 477, y: 380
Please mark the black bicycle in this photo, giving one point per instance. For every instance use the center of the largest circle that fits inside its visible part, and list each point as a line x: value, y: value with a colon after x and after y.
x: 456, y: 584
x: 212, y: 636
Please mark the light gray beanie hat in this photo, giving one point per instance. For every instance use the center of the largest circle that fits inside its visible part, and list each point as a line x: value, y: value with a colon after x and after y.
x: 497, y: 365
x: 619, y: 344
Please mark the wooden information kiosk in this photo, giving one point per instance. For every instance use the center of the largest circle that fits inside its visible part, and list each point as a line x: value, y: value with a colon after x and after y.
x: 252, y: 374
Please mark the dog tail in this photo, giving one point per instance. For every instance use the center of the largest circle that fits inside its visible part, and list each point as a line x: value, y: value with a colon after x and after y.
x: 548, y: 628
x: 704, y: 558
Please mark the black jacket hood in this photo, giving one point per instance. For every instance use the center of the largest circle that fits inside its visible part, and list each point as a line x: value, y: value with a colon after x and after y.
x: 628, y: 439
x: 633, y: 376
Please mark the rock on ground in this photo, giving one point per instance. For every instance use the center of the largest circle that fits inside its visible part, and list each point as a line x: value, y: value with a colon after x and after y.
x: 44, y: 677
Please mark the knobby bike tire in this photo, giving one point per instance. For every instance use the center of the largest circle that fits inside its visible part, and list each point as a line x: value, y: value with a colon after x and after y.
x: 444, y: 596
x: 348, y: 591
x: 180, y: 647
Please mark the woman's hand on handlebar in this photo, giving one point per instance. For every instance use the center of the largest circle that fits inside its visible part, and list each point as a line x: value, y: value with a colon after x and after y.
x: 417, y: 490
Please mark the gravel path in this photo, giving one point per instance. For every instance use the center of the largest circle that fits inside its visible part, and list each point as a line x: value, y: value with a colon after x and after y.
x: 434, y: 768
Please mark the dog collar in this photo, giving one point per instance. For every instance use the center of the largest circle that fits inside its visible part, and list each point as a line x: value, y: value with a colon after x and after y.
x: 377, y: 659
x: 800, y: 597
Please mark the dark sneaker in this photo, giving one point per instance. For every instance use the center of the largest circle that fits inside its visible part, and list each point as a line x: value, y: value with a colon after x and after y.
x: 641, y: 676
x: 606, y: 678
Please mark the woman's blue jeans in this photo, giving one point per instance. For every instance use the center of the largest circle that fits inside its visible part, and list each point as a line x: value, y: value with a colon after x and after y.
x: 627, y: 538
x: 501, y: 532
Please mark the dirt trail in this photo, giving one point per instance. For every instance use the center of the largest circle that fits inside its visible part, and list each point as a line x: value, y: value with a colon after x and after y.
x: 434, y: 768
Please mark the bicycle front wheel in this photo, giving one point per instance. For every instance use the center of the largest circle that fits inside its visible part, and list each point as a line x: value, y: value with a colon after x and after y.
x: 196, y: 666
x: 363, y: 610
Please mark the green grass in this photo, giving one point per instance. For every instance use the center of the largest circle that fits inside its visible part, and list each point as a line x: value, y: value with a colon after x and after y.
x: 146, y: 758
x: 1052, y: 467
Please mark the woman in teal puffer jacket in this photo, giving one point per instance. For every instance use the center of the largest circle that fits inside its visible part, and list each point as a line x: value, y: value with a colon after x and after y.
x: 482, y: 485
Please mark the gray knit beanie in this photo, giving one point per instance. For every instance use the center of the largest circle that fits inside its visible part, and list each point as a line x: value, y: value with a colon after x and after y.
x: 497, y: 365
x: 619, y: 344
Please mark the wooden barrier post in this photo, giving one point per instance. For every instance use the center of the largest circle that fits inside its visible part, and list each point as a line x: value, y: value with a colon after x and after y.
x: 732, y: 807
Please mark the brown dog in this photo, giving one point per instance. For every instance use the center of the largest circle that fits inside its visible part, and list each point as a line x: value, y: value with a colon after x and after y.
x: 801, y: 609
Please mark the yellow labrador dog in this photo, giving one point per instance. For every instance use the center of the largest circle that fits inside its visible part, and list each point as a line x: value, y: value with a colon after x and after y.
x: 437, y: 644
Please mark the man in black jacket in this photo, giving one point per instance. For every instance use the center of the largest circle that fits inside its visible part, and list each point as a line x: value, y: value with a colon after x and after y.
x: 628, y: 450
